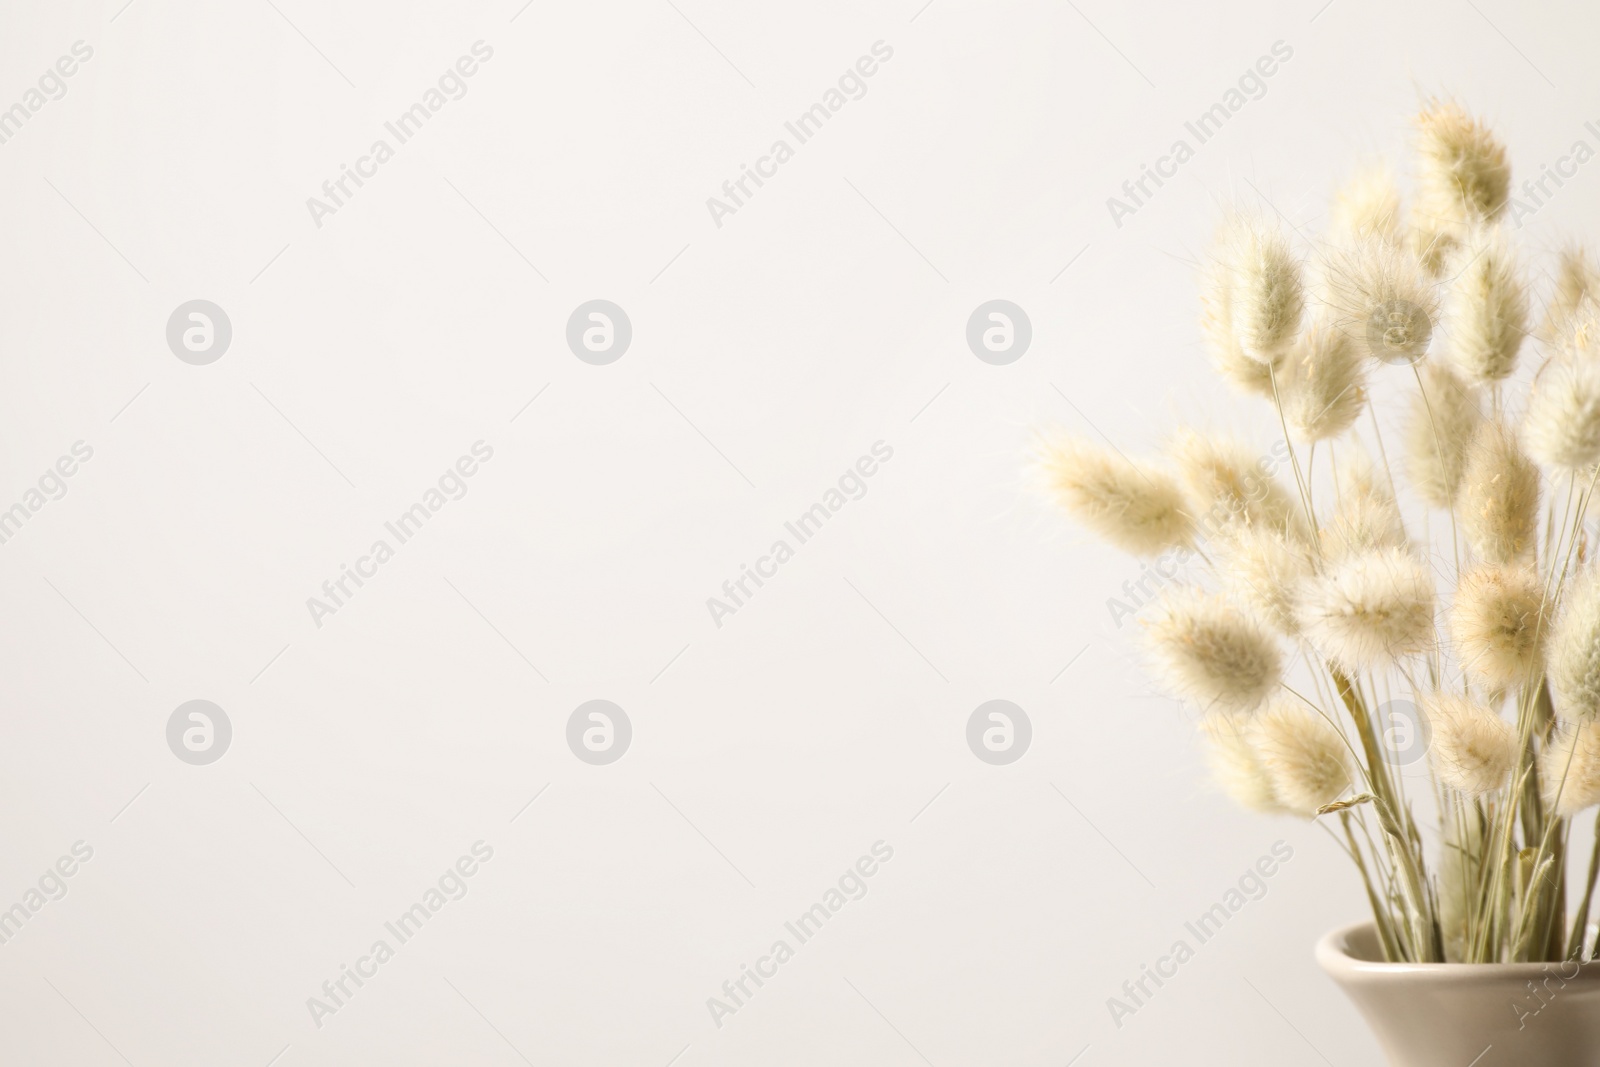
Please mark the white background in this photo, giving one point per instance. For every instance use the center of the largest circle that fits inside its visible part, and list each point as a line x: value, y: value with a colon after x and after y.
x: 768, y: 754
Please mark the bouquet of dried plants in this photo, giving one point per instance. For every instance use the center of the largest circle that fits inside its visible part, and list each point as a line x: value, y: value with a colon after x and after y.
x: 1312, y: 606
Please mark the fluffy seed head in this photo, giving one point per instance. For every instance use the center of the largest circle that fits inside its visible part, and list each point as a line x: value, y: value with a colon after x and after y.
x: 1577, y: 280
x: 1499, y: 496
x: 1222, y: 339
x: 1367, y: 206
x: 1570, y: 768
x: 1362, y: 524
x: 1357, y: 474
x: 1322, y: 382
x: 1463, y: 177
x: 1224, y: 484
x: 1473, y: 749
x: 1267, y: 293
x: 1305, y: 757
x: 1369, y: 610
x: 1444, y: 416
x: 1583, y: 334
x: 1366, y: 516
x: 1574, y: 656
x: 1383, y: 299
x: 1234, y: 765
x: 1485, y: 307
x: 1495, y: 623
x: 1212, y: 652
x: 1139, y: 511
x: 1562, y: 426
x: 1265, y: 570
x: 1432, y: 247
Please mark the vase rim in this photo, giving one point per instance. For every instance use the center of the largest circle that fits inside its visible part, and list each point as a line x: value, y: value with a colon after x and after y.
x: 1337, y: 953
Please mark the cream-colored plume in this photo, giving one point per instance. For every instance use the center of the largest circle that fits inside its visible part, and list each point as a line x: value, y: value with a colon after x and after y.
x: 1498, y: 500
x: 1265, y: 285
x: 1370, y: 609
x: 1322, y: 382
x: 1235, y: 767
x: 1574, y: 653
x: 1265, y: 570
x: 1577, y: 282
x: 1139, y: 511
x: 1432, y: 247
x: 1463, y: 177
x: 1306, y: 759
x: 1570, y: 768
x: 1562, y: 426
x: 1445, y: 414
x: 1583, y: 335
x: 1222, y: 340
x: 1366, y: 515
x: 1225, y: 483
x: 1211, y: 650
x: 1485, y: 307
x: 1495, y: 623
x: 1473, y: 749
x: 1367, y: 207
x: 1383, y: 299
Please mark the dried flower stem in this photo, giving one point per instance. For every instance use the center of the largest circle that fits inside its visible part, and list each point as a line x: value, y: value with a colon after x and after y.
x: 1425, y: 941
x: 1580, y: 921
x: 1294, y: 462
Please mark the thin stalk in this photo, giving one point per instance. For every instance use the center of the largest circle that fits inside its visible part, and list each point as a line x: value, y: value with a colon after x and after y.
x: 1426, y: 937
x: 1380, y: 916
x: 1580, y: 924
x: 1294, y: 463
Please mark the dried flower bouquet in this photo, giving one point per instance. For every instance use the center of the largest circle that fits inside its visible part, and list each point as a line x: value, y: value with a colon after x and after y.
x: 1313, y: 611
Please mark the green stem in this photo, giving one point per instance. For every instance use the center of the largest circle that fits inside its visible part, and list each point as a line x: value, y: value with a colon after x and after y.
x: 1426, y: 938
x: 1381, y: 918
x: 1581, y: 922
